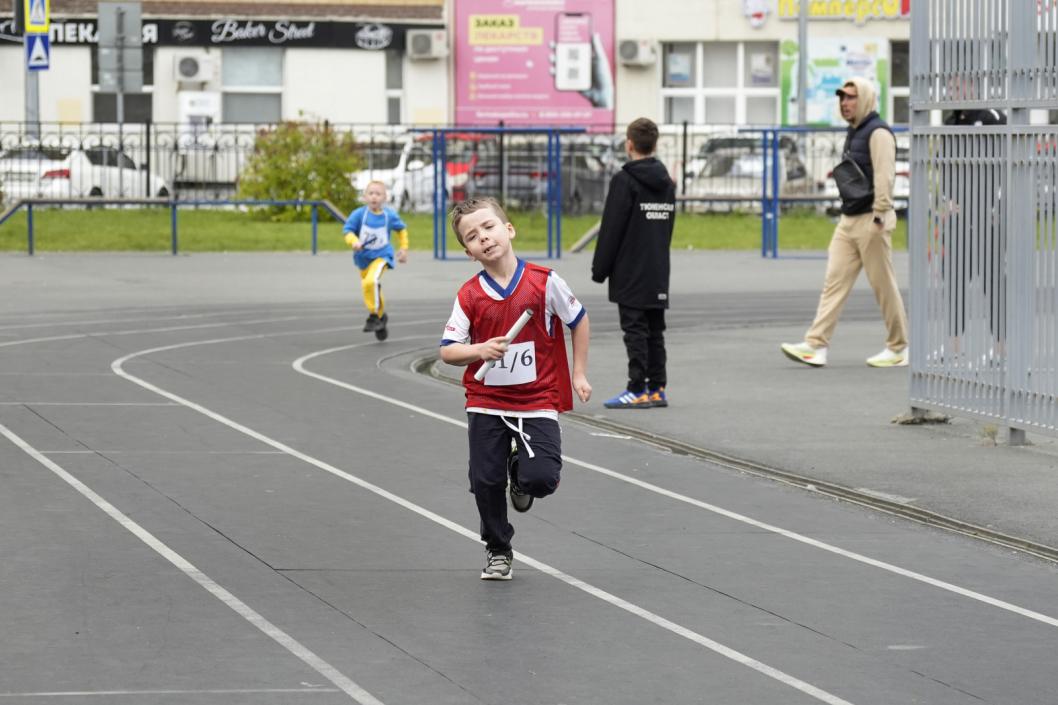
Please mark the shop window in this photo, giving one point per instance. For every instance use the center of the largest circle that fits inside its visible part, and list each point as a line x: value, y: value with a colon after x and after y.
x: 148, y: 66
x: 679, y: 110
x: 900, y: 83
x: 679, y: 65
x: 761, y: 65
x: 137, y: 107
x: 720, y: 67
x: 721, y: 83
x: 252, y: 79
x: 762, y: 110
x: 720, y: 110
x: 394, y: 86
x: 901, y: 57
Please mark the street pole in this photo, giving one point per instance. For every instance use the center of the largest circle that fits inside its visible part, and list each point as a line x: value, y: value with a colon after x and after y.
x: 802, y: 64
x: 32, y: 103
x: 121, y: 67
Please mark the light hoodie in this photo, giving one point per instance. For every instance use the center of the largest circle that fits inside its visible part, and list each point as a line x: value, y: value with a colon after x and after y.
x: 883, y: 151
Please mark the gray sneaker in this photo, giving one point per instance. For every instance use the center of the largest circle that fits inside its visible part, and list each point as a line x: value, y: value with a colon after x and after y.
x: 497, y: 566
x: 519, y: 500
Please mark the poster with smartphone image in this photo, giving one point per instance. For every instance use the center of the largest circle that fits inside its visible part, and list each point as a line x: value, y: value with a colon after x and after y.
x: 572, y: 51
x: 534, y: 62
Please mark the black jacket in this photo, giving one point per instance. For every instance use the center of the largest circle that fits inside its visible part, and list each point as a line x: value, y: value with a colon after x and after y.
x: 858, y: 148
x: 632, y: 249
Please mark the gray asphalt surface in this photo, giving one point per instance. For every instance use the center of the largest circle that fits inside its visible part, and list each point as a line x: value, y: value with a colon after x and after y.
x: 189, y: 514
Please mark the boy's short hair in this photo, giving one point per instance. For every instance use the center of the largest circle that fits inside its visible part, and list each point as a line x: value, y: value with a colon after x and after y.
x: 472, y: 205
x: 644, y: 135
x: 375, y: 182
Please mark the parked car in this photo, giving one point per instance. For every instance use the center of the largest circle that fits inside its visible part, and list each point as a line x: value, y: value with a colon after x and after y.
x: 732, y: 166
x: 405, y: 166
x: 77, y: 172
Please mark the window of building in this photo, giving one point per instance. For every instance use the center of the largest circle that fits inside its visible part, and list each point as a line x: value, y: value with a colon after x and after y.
x: 900, y: 83
x: 394, y: 86
x: 725, y: 83
x: 137, y: 107
x: 252, y: 80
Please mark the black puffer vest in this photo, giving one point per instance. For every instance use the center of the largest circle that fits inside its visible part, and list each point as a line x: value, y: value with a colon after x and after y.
x: 858, y: 148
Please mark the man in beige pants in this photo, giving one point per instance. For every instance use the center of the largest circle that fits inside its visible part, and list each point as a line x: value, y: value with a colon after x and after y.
x: 863, y: 238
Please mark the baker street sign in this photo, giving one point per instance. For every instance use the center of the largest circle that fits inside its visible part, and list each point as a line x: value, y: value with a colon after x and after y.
x: 369, y: 36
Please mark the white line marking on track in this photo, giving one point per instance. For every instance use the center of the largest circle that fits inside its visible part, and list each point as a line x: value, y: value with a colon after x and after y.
x: 657, y: 620
x: 217, y: 691
x: 177, y: 317
x: 169, y: 329
x: 325, y: 669
x: 87, y: 403
x: 815, y: 543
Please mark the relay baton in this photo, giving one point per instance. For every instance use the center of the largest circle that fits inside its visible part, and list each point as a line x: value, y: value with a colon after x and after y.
x: 511, y: 335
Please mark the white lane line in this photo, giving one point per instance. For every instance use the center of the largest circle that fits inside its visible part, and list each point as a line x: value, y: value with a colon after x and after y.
x: 87, y: 403
x: 657, y: 620
x: 216, y: 691
x: 177, y: 317
x: 807, y: 540
x: 288, y: 642
x: 169, y: 329
x: 159, y: 452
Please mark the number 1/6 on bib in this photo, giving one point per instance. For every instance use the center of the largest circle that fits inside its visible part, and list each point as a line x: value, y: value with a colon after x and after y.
x: 511, y: 335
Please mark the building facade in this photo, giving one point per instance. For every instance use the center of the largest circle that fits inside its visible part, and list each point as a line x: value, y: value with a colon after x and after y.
x: 236, y: 61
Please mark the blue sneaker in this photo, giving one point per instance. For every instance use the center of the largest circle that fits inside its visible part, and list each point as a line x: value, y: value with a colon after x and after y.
x: 628, y: 400
x: 657, y: 397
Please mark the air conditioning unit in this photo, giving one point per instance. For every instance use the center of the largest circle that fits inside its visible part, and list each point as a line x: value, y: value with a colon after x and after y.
x: 637, y: 52
x: 192, y: 67
x: 427, y: 44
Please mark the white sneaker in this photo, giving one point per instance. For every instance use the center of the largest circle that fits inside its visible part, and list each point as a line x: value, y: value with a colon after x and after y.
x: 803, y: 352
x: 889, y: 358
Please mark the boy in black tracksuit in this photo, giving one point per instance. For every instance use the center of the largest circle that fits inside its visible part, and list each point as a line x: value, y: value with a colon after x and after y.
x: 633, y: 251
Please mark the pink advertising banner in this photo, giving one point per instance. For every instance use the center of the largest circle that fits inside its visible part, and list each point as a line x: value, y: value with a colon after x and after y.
x: 534, y: 62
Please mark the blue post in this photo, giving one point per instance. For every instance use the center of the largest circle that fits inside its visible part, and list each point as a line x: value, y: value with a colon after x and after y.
x: 558, y: 196
x: 764, y: 214
x: 29, y: 229
x: 776, y: 194
x: 550, y: 197
x: 315, y: 226
x: 443, y: 194
x: 172, y: 226
x: 437, y: 168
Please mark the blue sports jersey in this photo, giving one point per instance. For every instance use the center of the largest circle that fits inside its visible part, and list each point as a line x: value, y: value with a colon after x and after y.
x: 373, y: 230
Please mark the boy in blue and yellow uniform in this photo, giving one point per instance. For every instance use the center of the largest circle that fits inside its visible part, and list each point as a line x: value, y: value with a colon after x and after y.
x: 368, y: 231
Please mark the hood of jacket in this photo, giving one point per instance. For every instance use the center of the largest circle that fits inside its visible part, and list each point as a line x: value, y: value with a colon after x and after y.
x: 866, y: 103
x: 649, y: 172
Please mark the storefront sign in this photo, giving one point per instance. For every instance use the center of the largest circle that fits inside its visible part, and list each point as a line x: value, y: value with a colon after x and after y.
x: 534, y: 62
x: 831, y: 62
x: 371, y: 36
x: 858, y: 11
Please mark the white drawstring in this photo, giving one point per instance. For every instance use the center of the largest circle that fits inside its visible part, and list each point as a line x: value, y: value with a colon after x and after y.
x: 521, y: 432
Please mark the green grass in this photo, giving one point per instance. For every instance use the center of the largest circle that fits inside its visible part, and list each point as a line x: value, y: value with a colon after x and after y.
x: 213, y: 230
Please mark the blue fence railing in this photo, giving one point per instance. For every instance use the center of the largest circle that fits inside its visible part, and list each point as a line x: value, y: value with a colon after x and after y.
x: 173, y: 205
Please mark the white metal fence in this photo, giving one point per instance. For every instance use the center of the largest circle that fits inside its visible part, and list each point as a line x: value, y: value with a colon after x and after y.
x: 983, y: 222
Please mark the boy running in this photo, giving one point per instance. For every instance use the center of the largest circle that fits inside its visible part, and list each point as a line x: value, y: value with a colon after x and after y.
x: 520, y: 397
x: 367, y: 231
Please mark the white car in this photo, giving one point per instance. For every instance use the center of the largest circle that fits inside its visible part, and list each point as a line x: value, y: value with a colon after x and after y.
x: 901, y: 185
x: 732, y: 167
x: 404, y: 166
x: 78, y: 172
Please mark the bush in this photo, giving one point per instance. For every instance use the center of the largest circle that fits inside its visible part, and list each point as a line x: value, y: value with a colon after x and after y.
x: 300, y: 161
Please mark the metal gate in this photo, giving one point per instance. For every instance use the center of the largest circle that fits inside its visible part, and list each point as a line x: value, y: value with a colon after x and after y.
x: 983, y: 229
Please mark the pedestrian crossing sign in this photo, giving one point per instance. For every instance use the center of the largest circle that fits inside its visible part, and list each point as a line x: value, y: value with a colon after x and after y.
x: 38, y: 14
x: 37, y: 52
